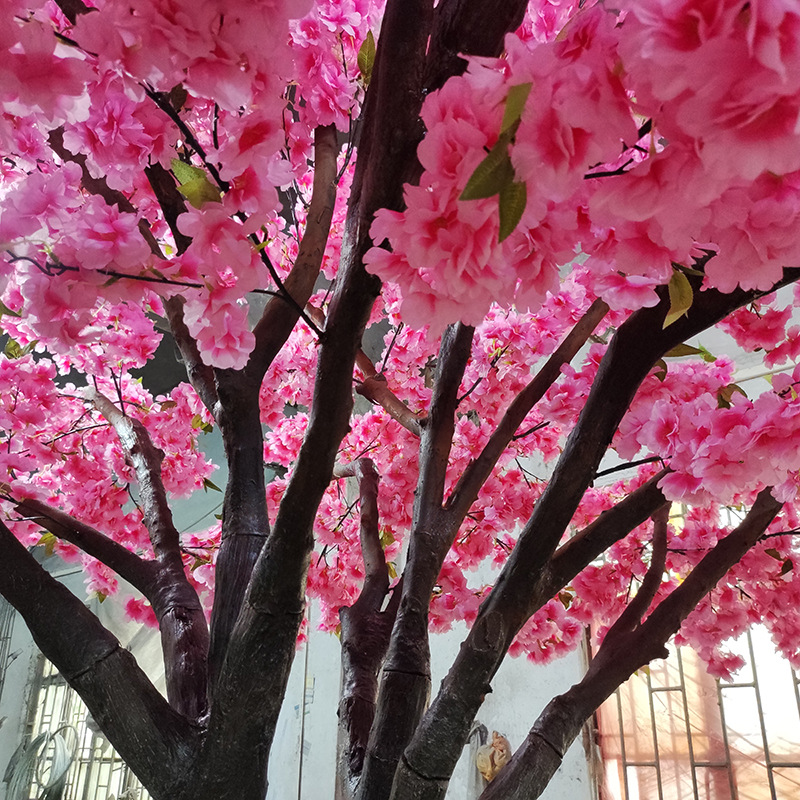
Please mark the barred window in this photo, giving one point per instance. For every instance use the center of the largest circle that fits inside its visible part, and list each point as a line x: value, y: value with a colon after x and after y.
x: 673, y: 732
x: 96, y: 771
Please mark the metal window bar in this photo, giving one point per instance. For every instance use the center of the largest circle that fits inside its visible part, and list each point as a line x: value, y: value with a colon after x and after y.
x: 6, y: 630
x: 682, y: 767
x: 98, y: 772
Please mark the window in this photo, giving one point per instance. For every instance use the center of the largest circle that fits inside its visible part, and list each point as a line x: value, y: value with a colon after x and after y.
x: 672, y: 732
x: 97, y: 772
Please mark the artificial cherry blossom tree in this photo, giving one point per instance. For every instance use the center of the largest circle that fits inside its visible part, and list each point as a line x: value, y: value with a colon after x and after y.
x: 534, y: 209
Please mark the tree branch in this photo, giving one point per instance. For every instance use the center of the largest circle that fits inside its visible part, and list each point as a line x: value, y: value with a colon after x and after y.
x: 153, y: 739
x: 201, y: 376
x: 365, y: 629
x: 245, y: 521
x: 146, y: 460
x: 626, y: 648
x: 137, y: 571
x: 376, y: 389
x: 464, y: 27
x: 184, y: 633
x: 376, y: 573
x: 610, y: 527
x: 479, y: 470
x: 631, y: 617
x: 279, y: 317
x: 173, y: 204
x: 73, y: 9
x: 405, y: 686
x: 99, y: 186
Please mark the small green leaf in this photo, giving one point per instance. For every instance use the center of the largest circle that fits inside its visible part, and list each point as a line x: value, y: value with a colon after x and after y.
x: 515, y: 103
x: 14, y: 349
x: 186, y: 172
x: 683, y: 350
x: 492, y: 175
x: 680, y: 298
x: 194, y: 184
x: 199, y: 425
x: 566, y: 598
x: 200, y: 191
x: 387, y: 538
x: 513, y: 199
x: 5, y: 310
x: 706, y: 355
x: 48, y: 541
x: 207, y: 484
x: 101, y: 596
x: 366, y: 57
x: 390, y: 566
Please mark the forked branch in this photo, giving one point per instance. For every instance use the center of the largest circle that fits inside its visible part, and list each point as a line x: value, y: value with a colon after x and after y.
x: 478, y: 471
x: 184, y: 632
x: 365, y: 628
x: 629, y: 646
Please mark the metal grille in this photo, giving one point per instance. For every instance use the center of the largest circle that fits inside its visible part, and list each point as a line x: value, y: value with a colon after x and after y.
x: 675, y: 733
x: 6, y: 629
x: 97, y: 773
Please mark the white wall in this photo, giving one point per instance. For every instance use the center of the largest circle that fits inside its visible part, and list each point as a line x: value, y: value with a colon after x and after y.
x: 520, y: 692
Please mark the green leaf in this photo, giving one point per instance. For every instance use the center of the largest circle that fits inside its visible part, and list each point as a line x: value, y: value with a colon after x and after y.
x: 566, y: 598
x: 515, y: 103
x: 200, y: 191
x: 387, y: 538
x: 199, y: 425
x: 492, y: 175
x: 366, y: 57
x: 186, y: 172
x: 513, y: 199
x: 683, y: 350
x: 707, y: 356
x: 14, y: 349
x: 194, y: 184
x: 390, y: 566
x: 48, y: 541
x: 661, y: 369
x: 207, y: 484
x: 5, y: 310
x: 680, y: 298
